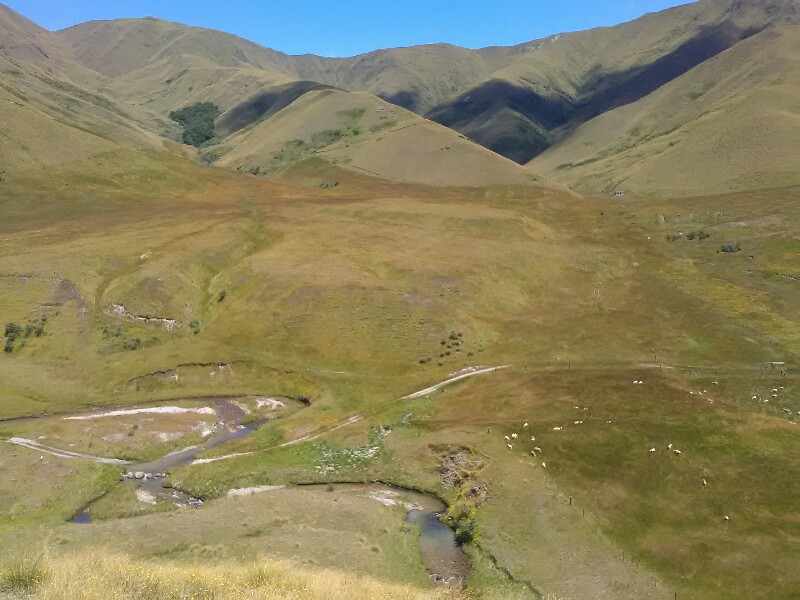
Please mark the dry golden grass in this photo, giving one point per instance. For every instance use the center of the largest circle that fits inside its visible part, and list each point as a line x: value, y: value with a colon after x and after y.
x: 99, y: 575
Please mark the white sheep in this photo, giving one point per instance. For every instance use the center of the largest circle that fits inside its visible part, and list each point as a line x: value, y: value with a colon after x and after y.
x: 754, y: 398
x: 652, y: 450
x: 533, y: 439
x: 705, y: 482
x: 727, y: 518
x: 533, y: 452
x: 669, y: 447
x: 524, y: 424
x: 508, y: 438
x: 774, y: 389
x: 557, y: 428
x: 677, y: 452
x: 537, y: 448
x: 715, y: 382
x: 513, y: 436
x: 510, y: 447
x: 544, y: 465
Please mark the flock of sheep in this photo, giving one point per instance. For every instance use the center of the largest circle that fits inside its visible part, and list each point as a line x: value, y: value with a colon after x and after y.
x: 536, y: 449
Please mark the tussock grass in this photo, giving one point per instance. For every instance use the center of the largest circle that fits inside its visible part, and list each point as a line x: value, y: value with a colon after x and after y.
x: 99, y: 575
x: 23, y: 574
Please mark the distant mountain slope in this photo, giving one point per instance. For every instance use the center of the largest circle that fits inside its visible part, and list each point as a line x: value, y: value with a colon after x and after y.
x: 731, y: 123
x: 550, y: 87
x: 563, y: 95
x: 164, y: 65
x: 51, y: 109
x: 362, y: 132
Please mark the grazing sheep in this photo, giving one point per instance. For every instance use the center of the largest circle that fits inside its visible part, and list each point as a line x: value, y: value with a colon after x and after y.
x: 669, y: 447
x: 533, y: 439
x: 557, y: 428
x: 514, y: 436
x: 652, y: 450
x: 774, y: 396
x: 544, y: 465
x: 774, y: 389
x: 787, y: 410
x: 510, y: 447
x: 537, y: 448
x: 508, y: 438
x: 705, y: 482
x: 533, y: 452
x: 677, y: 451
x: 754, y: 398
x: 715, y: 382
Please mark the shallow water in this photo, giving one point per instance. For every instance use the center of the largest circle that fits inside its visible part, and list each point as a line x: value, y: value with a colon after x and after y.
x: 443, y: 557
x: 444, y: 560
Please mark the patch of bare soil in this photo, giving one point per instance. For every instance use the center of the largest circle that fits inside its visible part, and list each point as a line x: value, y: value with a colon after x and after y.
x: 459, y: 470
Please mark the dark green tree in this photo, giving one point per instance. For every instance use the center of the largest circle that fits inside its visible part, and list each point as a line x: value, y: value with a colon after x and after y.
x: 197, y: 121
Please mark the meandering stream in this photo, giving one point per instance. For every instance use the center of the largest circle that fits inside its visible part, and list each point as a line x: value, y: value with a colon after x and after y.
x: 444, y: 560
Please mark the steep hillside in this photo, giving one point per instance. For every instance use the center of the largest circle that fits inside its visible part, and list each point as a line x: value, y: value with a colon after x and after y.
x: 596, y: 103
x: 164, y: 65
x: 731, y: 123
x: 550, y: 87
x: 362, y: 132
x: 416, y: 78
x: 52, y: 109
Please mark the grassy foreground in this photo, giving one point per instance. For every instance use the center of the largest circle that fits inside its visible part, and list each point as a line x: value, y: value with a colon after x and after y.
x: 98, y: 575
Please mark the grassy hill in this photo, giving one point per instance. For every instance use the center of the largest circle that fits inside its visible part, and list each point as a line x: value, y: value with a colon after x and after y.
x: 731, y: 123
x: 544, y: 95
x: 363, y: 133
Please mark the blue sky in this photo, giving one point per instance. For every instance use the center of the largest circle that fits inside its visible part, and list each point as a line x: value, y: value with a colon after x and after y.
x: 348, y: 27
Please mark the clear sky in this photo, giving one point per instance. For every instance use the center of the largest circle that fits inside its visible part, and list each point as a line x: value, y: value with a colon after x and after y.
x: 348, y: 27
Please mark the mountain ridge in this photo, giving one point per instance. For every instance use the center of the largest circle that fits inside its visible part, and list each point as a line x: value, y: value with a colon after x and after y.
x: 520, y: 102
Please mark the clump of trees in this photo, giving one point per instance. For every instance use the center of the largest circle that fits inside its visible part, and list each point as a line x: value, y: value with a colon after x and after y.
x: 692, y: 235
x: 461, y: 517
x: 14, y: 332
x: 197, y: 121
x: 731, y: 248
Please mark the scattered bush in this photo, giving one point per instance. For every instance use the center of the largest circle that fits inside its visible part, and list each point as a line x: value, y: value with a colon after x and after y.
x: 221, y: 295
x: 197, y: 121
x: 132, y: 344
x: 461, y: 517
x: 731, y: 247
x: 194, y: 325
